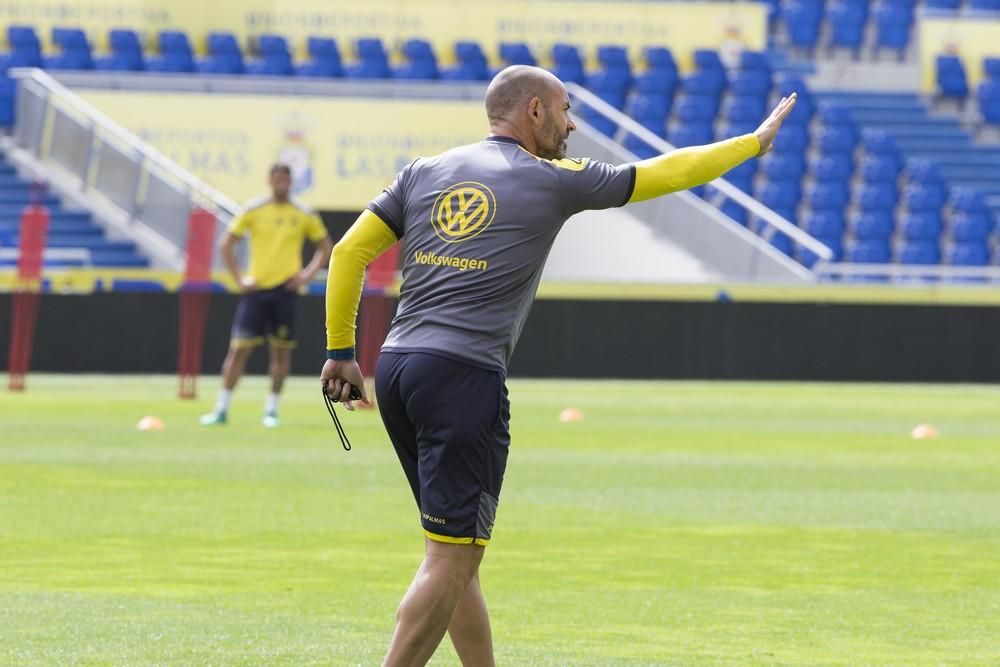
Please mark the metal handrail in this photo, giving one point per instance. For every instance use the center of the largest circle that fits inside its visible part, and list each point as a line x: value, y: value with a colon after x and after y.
x: 725, y: 187
x: 114, y: 129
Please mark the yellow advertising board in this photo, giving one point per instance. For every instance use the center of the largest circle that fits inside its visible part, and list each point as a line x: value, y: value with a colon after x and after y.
x: 970, y: 39
x: 342, y: 151
x: 681, y: 26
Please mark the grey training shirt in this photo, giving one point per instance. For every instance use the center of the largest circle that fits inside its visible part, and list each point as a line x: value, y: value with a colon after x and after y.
x: 477, y: 223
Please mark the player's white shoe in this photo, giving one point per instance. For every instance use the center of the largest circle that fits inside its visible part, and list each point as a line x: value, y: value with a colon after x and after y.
x: 271, y: 420
x: 213, y: 419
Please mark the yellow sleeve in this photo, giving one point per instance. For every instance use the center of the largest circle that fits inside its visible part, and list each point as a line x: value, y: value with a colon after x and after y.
x: 367, y: 238
x: 315, y: 229
x: 689, y: 167
x: 240, y: 225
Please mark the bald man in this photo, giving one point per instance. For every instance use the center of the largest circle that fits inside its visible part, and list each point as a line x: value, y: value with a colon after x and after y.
x: 479, y: 221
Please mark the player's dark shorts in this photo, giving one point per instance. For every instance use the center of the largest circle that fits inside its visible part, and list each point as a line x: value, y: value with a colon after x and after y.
x: 448, y: 422
x: 266, y: 313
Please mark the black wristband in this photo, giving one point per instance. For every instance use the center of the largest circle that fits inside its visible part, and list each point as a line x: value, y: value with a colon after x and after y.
x: 343, y: 354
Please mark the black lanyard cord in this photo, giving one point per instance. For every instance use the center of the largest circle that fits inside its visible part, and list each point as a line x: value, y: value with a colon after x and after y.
x: 336, y: 421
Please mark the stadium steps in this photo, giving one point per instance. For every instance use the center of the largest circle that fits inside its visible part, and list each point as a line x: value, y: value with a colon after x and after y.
x: 918, y: 134
x: 67, y: 229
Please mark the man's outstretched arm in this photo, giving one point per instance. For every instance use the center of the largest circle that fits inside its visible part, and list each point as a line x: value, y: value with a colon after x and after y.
x: 367, y: 238
x: 690, y: 167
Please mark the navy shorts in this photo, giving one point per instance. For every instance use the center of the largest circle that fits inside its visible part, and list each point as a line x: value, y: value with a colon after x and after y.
x: 448, y: 422
x: 266, y: 313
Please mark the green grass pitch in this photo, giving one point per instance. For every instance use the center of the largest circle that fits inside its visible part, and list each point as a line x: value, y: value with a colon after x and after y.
x: 679, y: 524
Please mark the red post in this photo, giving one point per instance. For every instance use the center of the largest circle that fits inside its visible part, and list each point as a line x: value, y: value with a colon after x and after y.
x: 27, y: 287
x: 195, y: 295
x: 376, y: 309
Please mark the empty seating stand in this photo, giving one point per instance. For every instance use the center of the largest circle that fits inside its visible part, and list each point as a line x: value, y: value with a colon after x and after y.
x: 67, y: 229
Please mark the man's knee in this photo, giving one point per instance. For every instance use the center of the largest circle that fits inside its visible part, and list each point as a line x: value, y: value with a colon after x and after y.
x: 459, y: 561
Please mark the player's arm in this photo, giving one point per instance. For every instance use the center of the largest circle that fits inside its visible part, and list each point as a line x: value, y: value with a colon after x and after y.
x: 321, y: 255
x: 237, y: 229
x: 690, y: 167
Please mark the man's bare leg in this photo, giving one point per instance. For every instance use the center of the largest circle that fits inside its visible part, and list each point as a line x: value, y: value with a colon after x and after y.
x: 234, y: 365
x: 429, y: 604
x: 470, y: 628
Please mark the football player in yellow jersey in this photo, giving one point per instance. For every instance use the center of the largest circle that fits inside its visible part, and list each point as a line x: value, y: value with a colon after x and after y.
x: 277, y: 226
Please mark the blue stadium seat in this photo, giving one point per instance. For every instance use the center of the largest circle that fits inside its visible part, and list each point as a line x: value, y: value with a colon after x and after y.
x: 567, y: 64
x: 126, y: 52
x: 598, y: 121
x: 660, y: 58
x: 471, y: 63
x: 877, y: 197
x: 805, y: 106
x: 880, y: 169
x: 984, y: 5
x: 755, y: 83
x: 661, y: 72
x: 802, y: 19
x: 700, y: 83
x: 754, y: 61
x: 614, y: 61
x: 784, y: 167
x: 74, y: 50
x: 730, y: 130
x: 421, y: 62
x: 275, y: 60
x: 517, y: 53
x: 7, y: 92
x: 25, y: 47
x: 778, y: 195
x: 879, y: 142
x: 950, y: 77
x: 991, y: 69
x: 921, y: 226
x: 175, y: 54
x: 872, y: 225
x: 743, y: 110
x: 892, y: 22
x: 792, y: 139
x: 324, y: 59
x: 735, y: 211
x: 836, y: 140
x: 708, y: 64
x: 970, y: 227
x: 868, y: 252
x: 836, y: 115
x: 826, y: 223
x: 924, y: 170
x: 808, y: 258
x: 691, y: 135
x: 742, y: 172
x: 695, y: 109
x: 988, y: 101
x: 943, y: 4
x: 968, y: 254
x: 833, y: 167
x: 224, y: 55
x: 783, y: 242
x: 828, y: 196
x: 650, y: 109
x: 639, y: 148
x: 847, y: 20
x: 917, y: 197
x: 925, y: 252
x: 373, y: 62
x: 967, y: 200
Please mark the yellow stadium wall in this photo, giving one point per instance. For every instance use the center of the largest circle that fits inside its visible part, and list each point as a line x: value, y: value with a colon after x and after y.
x: 970, y: 39
x: 344, y: 149
x: 681, y: 26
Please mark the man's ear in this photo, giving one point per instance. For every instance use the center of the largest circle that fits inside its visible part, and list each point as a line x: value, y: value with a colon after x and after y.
x: 533, y: 106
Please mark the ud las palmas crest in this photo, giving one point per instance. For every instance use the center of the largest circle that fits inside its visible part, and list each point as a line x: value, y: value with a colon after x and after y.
x: 294, y: 150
